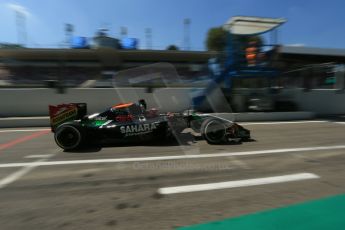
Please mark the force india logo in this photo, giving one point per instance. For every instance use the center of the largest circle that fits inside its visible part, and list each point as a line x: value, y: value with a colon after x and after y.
x: 133, y: 130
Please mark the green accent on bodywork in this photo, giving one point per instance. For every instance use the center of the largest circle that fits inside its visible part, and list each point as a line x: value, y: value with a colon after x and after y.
x: 330, y: 80
x: 327, y: 213
x: 93, y: 123
x: 98, y: 123
x: 196, y: 116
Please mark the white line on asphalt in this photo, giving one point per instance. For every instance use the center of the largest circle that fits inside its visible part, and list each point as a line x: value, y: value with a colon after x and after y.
x: 18, y: 174
x: 280, y: 122
x: 176, y: 157
x: 25, y: 170
x: 39, y: 156
x: 21, y: 130
x: 237, y: 184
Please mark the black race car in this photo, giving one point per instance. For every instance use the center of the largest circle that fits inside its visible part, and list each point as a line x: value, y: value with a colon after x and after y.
x: 133, y: 122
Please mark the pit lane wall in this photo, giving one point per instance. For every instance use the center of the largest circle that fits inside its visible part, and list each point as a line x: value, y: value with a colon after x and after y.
x: 34, y: 102
x: 322, y: 102
x: 319, y: 101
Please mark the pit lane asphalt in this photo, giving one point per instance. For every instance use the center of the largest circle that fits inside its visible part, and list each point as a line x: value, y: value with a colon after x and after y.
x: 124, y: 195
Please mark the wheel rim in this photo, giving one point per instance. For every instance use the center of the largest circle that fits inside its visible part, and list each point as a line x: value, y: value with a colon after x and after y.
x: 214, y: 131
x: 68, y: 137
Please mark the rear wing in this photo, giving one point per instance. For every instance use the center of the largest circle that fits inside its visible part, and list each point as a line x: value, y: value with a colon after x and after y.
x: 62, y: 113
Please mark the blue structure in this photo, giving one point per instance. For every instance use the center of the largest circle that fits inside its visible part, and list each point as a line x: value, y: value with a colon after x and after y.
x: 129, y: 43
x: 79, y: 43
x: 235, y: 64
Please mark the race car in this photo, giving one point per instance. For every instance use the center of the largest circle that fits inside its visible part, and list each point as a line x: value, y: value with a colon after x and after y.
x: 132, y: 122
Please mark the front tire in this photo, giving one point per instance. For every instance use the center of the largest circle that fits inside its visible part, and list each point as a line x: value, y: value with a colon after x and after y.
x: 213, y: 131
x: 69, y: 137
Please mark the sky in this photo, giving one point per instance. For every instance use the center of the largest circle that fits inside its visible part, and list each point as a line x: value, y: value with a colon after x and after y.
x: 316, y: 23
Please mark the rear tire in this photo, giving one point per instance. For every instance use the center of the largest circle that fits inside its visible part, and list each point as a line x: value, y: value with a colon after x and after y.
x: 69, y: 137
x: 213, y: 131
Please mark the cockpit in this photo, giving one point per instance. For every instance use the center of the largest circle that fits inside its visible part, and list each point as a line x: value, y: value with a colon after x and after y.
x: 124, y: 112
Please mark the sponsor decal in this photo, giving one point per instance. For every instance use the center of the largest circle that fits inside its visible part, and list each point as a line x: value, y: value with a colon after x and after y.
x: 66, y: 115
x: 124, y: 118
x: 133, y: 130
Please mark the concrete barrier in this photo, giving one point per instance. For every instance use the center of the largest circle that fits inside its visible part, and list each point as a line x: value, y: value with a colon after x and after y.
x: 267, y: 116
x: 34, y: 102
x: 319, y: 101
x: 15, y: 122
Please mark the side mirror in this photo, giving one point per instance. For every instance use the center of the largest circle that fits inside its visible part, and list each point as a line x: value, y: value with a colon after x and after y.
x: 142, y: 103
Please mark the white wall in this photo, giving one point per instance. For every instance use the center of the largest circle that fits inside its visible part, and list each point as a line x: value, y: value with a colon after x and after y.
x: 34, y: 102
x: 320, y: 101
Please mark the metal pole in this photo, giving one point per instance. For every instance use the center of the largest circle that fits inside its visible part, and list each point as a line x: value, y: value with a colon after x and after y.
x: 21, y: 28
x: 148, y: 36
x: 186, y: 23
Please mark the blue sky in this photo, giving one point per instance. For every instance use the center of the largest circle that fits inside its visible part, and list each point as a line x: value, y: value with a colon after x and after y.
x: 310, y: 22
